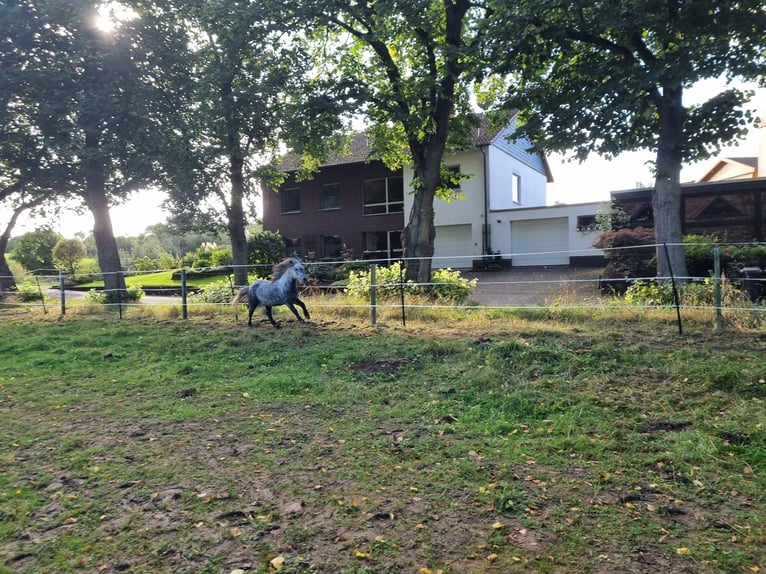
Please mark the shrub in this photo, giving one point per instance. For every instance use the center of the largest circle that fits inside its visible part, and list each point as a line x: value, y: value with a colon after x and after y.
x: 446, y: 284
x: 265, y: 247
x: 221, y: 256
x: 691, y: 294
x: 132, y: 294
x: 144, y: 264
x: 624, y: 253
x: 449, y: 285
x: 215, y: 292
x: 29, y: 291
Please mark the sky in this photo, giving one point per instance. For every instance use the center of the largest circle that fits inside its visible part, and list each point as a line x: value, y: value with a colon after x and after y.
x: 574, y: 182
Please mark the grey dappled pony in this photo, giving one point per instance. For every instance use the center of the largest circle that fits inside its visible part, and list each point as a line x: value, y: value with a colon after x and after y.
x: 281, y: 290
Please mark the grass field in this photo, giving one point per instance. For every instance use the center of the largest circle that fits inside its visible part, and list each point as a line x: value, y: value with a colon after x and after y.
x: 475, y: 442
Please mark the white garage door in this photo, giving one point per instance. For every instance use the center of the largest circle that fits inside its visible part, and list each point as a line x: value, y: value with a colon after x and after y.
x: 540, y: 242
x: 453, y: 247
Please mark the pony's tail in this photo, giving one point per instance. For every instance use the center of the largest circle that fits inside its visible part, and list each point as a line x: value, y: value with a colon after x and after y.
x: 240, y: 296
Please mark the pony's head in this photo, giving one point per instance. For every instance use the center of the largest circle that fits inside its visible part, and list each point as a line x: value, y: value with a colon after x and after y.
x: 293, y: 267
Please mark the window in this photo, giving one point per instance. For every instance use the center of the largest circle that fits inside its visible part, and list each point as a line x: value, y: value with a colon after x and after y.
x: 453, y: 177
x: 329, y: 196
x: 331, y: 246
x: 383, y: 245
x: 586, y: 223
x: 385, y: 195
x: 516, y: 188
x: 291, y: 200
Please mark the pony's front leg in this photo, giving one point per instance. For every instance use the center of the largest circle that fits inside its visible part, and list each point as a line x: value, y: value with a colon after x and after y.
x: 268, y: 314
x: 295, y: 312
x: 302, y: 306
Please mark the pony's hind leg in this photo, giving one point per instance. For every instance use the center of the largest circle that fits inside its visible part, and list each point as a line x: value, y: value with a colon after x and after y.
x: 253, y: 305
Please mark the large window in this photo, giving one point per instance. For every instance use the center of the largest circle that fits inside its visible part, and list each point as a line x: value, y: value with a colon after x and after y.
x: 385, y: 195
x: 291, y: 200
x: 383, y: 245
x: 329, y: 196
x: 332, y: 246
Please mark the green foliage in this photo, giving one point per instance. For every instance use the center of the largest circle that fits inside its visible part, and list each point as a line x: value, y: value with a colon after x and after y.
x: 34, y: 250
x: 87, y: 271
x: 265, y: 248
x: 144, y: 264
x: 67, y: 253
x: 29, y: 291
x: 216, y: 292
x: 446, y: 285
x: 624, y: 254
x: 691, y: 294
x: 700, y: 258
x: 221, y: 257
x: 132, y: 294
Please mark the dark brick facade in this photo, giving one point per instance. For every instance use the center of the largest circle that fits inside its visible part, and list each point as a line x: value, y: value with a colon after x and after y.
x: 319, y: 232
x: 733, y: 210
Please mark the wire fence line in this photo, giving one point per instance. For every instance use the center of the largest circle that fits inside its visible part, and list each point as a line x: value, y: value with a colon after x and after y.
x: 514, y: 288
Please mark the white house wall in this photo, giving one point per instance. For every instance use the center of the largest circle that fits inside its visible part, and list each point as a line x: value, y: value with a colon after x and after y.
x: 465, y: 214
x: 502, y: 168
x: 579, y: 241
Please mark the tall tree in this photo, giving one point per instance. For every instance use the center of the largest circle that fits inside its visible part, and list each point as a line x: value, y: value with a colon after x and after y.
x: 413, y: 64
x: 99, y: 100
x: 243, y: 70
x: 610, y: 76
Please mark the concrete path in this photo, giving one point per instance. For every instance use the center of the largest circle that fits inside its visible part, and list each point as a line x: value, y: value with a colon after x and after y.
x: 532, y: 286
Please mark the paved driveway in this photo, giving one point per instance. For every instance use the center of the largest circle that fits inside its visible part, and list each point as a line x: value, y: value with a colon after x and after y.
x: 532, y: 286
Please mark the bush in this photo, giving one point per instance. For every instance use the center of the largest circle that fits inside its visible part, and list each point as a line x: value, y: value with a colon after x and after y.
x: 265, y: 248
x: 216, y: 292
x: 700, y: 260
x: 29, y: 291
x: 692, y: 294
x: 446, y: 284
x: 132, y: 294
x: 632, y: 260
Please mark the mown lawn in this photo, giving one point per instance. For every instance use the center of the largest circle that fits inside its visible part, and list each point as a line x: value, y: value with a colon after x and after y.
x: 494, y: 442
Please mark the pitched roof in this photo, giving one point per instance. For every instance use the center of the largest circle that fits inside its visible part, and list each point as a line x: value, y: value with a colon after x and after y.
x: 359, y: 147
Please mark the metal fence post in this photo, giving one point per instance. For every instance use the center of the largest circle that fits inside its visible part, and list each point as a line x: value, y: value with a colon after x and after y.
x: 62, y: 295
x: 184, y: 311
x: 717, y: 286
x: 373, y: 295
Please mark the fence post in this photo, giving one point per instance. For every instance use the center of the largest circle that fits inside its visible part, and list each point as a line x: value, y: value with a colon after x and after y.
x: 62, y: 295
x: 184, y: 312
x: 42, y: 295
x: 717, y: 286
x: 373, y: 295
x: 675, y: 290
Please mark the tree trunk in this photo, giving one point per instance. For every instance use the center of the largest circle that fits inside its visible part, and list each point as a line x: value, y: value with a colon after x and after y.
x: 236, y: 219
x: 418, y: 236
x: 7, y: 282
x: 106, y: 245
x: 666, y: 197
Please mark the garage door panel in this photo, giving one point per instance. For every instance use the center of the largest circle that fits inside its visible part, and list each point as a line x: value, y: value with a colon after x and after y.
x: 540, y: 242
x: 453, y: 247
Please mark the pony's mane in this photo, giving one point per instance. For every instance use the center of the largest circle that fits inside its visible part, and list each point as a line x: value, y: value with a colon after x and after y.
x: 279, y: 269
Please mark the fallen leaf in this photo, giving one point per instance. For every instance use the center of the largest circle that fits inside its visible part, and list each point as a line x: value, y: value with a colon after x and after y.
x: 277, y: 563
x: 683, y: 551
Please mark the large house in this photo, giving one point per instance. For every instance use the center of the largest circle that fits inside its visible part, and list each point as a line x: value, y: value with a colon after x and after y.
x: 357, y: 204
